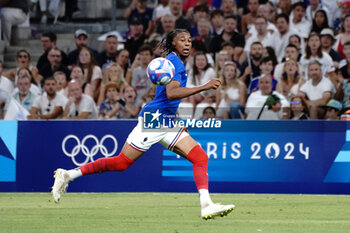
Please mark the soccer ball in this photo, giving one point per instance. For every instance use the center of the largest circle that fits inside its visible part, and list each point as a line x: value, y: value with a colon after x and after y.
x: 160, y: 71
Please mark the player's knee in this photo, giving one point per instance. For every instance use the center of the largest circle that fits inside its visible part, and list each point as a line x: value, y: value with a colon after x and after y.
x: 119, y: 163
x: 198, y: 156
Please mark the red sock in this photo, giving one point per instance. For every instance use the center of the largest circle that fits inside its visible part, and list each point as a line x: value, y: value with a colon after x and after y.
x: 116, y: 163
x: 199, y: 160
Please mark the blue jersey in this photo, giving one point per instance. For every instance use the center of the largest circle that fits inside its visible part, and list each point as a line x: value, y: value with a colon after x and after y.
x: 161, y: 102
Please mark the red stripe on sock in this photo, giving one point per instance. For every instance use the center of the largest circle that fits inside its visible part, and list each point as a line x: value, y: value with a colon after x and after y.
x: 199, y: 160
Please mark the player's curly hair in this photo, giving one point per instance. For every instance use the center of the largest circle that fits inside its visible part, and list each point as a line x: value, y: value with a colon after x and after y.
x: 167, y: 41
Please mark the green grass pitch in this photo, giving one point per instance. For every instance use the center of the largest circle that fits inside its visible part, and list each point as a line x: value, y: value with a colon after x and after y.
x: 172, y: 212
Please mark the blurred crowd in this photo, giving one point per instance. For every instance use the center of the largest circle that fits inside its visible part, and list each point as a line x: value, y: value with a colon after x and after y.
x: 277, y: 59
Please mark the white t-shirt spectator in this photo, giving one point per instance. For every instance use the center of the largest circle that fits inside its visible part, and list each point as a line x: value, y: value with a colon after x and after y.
x: 256, y: 100
x: 326, y: 62
x: 267, y: 41
x: 86, y: 104
x: 46, y: 107
x: 316, y: 92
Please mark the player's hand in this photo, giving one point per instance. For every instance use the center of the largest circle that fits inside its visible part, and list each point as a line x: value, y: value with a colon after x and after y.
x: 212, y: 84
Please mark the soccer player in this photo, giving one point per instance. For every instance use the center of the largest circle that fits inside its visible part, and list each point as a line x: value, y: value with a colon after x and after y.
x: 177, y: 45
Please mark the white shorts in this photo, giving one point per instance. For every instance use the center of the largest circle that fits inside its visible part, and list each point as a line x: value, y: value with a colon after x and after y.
x: 142, y: 139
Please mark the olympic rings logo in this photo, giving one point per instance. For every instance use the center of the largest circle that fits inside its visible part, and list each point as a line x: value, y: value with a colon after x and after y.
x: 89, y: 153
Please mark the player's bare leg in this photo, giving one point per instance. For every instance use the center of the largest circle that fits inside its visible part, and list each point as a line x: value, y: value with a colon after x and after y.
x: 125, y: 159
x: 190, y: 149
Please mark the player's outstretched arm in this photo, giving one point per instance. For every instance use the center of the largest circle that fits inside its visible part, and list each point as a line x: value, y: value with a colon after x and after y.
x: 174, y: 91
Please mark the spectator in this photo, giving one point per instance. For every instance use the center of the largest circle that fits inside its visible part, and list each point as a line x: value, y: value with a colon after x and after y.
x: 23, y: 60
x: 256, y: 100
x: 135, y: 39
x: 250, y: 67
x: 23, y: 71
x: 284, y: 6
x: 122, y: 60
x: 266, y: 11
x: 50, y: 105
x: 299, y: 109
x: 189, y: 6
x: 79, y: 105
x: 62, y: 83
x: 110, y: 103
x: 81, y: 41
x: 13, y: 13
x: 200, y: 74
x: 143, y: 85
x: 48, y: 41
x: 138, y: 10
x: 263, y: 35
x: 318, y: 90
x: 92, y: 72
x: 280, y: 39
x: 291, y: 52
x: 24, y: 96
x: 231, y: 95
x: 55, y: 64
x: 161, y: 9
x: 248, y: 19
x: 131, y: 108
x: 200, y: 11
x: 298, y: 43
x: 109, y: 54
x: 343, y: 36
x: 77, y: 74
x: 344, y: 64
x: 313, y: 51
x: 217, y: 22
x: 208, y: 113
x: 204, y: 36
x: 167, y: 24
x: 312, y: 10
x: 180, y: 20
x: 229, y: 34
x: 327, y: 41
x: 333, y: 110
x: 320, y: 21
x: 272, y: 110
x: 266, y: 68
x: 111, y: 74
x: 298, y: 22
x: 291, y: 79
x: 220, y: 59
x: 6, y: 89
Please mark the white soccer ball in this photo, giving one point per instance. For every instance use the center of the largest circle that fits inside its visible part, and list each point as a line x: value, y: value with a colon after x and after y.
x: 160, y: 71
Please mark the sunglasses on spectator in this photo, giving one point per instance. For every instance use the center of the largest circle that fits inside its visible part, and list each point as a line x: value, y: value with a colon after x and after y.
x: 295, y: 102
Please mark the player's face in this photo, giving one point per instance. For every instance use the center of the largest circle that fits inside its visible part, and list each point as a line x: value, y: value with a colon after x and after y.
x: 183, y: 44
